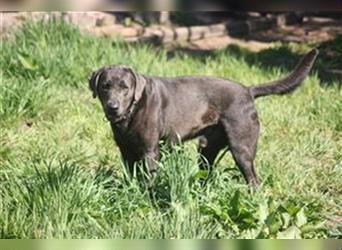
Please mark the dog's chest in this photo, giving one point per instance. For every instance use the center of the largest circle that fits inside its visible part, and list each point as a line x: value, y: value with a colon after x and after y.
x: 132, y: 142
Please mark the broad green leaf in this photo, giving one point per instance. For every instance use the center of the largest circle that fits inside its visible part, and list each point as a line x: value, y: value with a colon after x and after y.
x: 212, y: 210
x: 235, y: 203
x: 201, y: 174
x: 301, y: 219
x: 252, y: 233
x: 292, y: 232
x: 286, y: 219
x: 247, y: 217
x: 271, y: 204
x: 292, y: 209
x: 273, y: 223
x: 310, y: 227
x: 263, y: 212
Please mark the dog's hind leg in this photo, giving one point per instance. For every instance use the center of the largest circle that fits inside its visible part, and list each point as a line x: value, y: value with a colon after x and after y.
x: 209, y: 146
x: 242, y: 129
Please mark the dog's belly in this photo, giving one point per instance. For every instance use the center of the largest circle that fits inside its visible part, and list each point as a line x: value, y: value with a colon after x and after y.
x: 199, y: 132
x: 194, y: 125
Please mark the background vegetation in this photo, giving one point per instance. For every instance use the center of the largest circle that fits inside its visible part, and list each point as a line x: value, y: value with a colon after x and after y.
x: 61, y: 174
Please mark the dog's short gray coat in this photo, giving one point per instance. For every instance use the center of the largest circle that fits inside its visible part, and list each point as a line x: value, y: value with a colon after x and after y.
x: 143, y: 110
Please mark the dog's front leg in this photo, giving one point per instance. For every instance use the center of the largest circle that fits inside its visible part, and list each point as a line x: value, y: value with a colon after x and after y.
x: 151, y: 161
x: 151, y: 158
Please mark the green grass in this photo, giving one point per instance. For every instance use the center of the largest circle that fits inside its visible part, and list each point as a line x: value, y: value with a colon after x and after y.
x: 61, y: 175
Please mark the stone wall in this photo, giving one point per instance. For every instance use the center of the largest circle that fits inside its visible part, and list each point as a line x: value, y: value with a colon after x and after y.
x: 104, y: 24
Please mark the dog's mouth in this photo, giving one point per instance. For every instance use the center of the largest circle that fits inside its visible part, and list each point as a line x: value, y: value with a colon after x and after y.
x: 111, y: 116
x: 115, y: 118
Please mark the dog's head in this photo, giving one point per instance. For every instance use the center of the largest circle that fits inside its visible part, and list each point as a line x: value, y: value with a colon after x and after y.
x: 117, y: 88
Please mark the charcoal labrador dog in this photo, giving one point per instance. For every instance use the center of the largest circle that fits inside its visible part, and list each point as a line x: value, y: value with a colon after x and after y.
x: 142, y: 110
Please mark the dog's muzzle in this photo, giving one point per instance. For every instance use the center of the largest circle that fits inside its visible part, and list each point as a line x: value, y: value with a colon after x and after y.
x: 127, y: 116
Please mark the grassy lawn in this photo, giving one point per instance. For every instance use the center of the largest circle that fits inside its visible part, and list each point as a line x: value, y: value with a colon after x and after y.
x: 61, y: 175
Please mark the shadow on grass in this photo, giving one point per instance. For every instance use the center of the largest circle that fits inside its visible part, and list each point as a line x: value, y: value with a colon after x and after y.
x: 107, y: 177
x: 328, y: 65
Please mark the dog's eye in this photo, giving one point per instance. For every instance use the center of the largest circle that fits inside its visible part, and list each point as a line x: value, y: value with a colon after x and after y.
x: 123, y: 85
x: 106, y: 85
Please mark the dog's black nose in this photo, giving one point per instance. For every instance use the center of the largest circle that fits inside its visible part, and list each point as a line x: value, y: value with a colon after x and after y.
x: 113, y: 105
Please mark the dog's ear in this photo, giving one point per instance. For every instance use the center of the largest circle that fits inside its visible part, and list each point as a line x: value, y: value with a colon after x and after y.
x: 140, y: 84
x: 93, y: 80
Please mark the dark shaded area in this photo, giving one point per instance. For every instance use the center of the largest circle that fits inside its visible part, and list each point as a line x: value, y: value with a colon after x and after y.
x: 205, y: 18
x: 108, y: 178
x: 328, y: 65
x: 308, y: 28
x: 313, y: 27
x: 269, y: 5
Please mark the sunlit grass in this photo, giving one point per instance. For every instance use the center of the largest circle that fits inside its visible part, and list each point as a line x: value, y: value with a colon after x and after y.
x: 61, y: 174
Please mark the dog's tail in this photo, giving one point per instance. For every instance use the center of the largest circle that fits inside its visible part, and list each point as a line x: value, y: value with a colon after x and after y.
x: 290, y: 82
